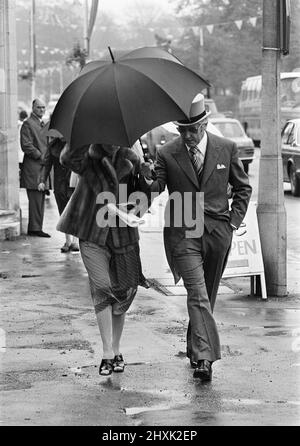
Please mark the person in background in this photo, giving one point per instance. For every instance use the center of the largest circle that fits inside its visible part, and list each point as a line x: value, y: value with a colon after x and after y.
x: 64, y: 184
x: 199, y: 162
x: 22, y: 116
x: 34, y: 145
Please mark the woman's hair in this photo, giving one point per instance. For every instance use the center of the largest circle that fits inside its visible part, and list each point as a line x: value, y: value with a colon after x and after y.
x: 23, y: 115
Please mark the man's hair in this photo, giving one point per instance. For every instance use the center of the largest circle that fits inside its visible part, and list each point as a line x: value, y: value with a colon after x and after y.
x: 35, y: 101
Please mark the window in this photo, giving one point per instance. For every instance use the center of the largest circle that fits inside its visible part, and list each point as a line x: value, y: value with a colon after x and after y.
x: 298, y: 136
x: 286, y: 133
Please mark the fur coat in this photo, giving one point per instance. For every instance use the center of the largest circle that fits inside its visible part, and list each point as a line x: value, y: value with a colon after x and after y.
x: 98, y: 173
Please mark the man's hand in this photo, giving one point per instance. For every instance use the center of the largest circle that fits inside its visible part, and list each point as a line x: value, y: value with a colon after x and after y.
x: 41, y: 187
x: 147, y: 170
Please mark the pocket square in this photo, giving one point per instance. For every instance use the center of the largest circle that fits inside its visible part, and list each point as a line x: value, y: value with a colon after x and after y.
x: 221, y: 166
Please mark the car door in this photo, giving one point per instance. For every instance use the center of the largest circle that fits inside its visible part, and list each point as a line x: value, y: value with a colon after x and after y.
x: 286, y: 149
x: 296, y: 147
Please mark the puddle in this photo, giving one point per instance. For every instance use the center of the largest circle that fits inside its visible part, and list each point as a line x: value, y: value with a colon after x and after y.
x: 253, y: 402
x: 28, y: 276
x: 139, y: 363
x: 76, y: 370
x: 62, y: 345
x: 137, y: 410
x: 244, y: 401
x: 278, y: 333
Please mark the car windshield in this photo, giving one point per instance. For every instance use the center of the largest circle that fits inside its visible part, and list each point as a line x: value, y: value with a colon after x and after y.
x: 290, y: 92
x: 230, y: 129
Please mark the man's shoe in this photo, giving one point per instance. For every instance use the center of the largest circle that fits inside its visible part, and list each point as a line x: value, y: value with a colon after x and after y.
x: 203, y: 370
x: 38, y: 234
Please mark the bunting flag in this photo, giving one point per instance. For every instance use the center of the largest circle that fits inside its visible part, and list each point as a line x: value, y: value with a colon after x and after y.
x: 239, y: 23
x: 210, y: 28
x: 182, y: 32
x: 253, y: 21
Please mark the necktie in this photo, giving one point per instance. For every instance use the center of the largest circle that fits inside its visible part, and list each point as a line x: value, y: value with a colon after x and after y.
x: 42, y: 123
x: 197, y: 159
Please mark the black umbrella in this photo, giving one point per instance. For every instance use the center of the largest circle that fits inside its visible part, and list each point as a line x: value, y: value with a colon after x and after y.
x: 116, y: 102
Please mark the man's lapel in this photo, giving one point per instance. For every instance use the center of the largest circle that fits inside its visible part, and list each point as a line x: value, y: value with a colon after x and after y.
x: 211, y: 157
x: 182, y: 157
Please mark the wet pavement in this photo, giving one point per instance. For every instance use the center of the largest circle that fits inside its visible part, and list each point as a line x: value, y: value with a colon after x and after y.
x: 50, y: 346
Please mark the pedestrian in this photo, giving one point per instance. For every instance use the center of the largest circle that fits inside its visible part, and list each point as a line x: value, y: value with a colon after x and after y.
x: 22, y: 116
x: 109, y: 252
x: 199, y: 161
x: 62, y: 186
x: 34, y: 145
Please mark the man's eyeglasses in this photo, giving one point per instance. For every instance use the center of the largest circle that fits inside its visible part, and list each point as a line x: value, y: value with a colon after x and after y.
x: 192, y: 128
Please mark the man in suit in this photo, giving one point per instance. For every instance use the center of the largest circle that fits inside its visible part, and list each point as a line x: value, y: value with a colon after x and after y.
x: 197, y: 167
x: 34, y: 145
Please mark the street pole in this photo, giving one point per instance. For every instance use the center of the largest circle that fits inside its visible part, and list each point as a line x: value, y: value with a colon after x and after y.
x: 33, y: 50
x: 61, y: 79
x: 271, y: 210
x: 86, y: 43
x: 9, y: 168
x: 201, y: 49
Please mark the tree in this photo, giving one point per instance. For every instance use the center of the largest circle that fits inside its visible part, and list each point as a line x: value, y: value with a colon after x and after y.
x: 230, y: 54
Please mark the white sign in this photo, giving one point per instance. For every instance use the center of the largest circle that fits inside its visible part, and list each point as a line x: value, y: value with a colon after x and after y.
x: 245, y: 258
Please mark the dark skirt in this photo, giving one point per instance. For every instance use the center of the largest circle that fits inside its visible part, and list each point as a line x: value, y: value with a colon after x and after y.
x: 114, y: 274
x: 62, y: 196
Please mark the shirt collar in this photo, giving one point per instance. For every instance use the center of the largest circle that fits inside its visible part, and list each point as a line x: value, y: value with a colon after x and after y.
x: 202, y: 145
x: 36, y: 117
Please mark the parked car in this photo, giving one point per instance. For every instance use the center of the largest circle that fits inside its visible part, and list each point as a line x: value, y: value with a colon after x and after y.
x: 233, y: 129
x: 210, y: 106
x: 290, y: 150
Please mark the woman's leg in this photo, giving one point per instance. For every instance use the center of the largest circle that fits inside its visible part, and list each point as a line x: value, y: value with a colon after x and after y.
x: 74, y: 244
x: 105, y: 324
x: 97, y: 262
x: 117, y: 330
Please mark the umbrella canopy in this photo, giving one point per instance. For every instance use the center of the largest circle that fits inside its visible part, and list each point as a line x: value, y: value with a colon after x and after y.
x: 117, y: 102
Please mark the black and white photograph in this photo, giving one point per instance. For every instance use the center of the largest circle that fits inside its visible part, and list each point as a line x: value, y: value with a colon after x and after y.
x: 149, y: 216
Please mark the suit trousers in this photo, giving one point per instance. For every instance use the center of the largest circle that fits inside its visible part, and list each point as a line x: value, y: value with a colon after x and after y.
x: 201, y: 262
x: 36, y: 206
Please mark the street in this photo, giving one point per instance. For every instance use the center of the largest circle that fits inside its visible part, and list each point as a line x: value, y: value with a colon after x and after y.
x: 50, y: 350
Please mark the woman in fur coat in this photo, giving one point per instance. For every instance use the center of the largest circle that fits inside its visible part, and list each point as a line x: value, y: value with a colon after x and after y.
x: 110, y: 253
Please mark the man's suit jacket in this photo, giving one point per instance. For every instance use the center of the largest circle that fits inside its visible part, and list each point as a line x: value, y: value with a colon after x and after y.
x: 221, y: 166
x: 34, y: 146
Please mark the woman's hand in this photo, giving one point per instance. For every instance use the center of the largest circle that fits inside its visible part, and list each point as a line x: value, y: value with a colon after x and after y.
x: 147, y: 170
